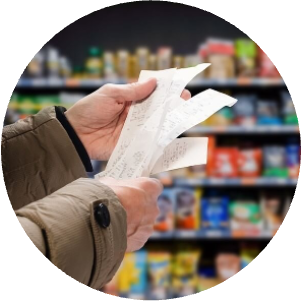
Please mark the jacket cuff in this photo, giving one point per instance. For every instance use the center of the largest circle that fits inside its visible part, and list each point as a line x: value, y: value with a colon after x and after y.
x: 60, y: 115
x: 76, y: 243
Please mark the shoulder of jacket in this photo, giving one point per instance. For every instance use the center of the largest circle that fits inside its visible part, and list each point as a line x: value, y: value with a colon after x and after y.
x: 29, y: 124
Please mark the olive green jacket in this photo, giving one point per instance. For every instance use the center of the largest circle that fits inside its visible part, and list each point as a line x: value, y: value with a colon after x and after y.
x: 54, y: 201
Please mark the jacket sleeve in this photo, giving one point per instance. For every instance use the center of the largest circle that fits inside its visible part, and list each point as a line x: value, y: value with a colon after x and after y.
x: 63, y: 227
x: 38, y: 159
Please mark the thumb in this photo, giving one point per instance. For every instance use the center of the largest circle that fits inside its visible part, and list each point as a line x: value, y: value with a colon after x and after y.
x: 132, y: 92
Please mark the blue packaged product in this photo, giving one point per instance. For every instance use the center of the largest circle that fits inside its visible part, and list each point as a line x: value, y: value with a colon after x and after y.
x: 215, y: 213
x: 292, y: 158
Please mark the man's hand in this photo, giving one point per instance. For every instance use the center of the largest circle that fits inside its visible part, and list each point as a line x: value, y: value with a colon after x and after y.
x: 98, y: 118
x: 139, y: 199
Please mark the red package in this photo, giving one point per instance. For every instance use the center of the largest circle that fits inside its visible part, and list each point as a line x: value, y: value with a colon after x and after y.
x: 266, y: 67
x: 224, y: 163
x: 250, y: 161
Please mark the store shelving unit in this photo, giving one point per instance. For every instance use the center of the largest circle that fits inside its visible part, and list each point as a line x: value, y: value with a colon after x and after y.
x: 196, y: 83
x: 87, y: 85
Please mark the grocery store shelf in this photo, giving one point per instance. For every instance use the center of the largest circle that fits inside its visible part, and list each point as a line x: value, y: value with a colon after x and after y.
x: 206, y: 234
x: 48, y: 83
x: 236, y: 129
x: 263, y: 181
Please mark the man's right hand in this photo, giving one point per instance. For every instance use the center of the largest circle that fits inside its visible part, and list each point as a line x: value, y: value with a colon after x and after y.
x: 139, y: 199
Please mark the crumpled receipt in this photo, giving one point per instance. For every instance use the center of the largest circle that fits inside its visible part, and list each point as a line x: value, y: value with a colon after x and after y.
x: 148, y: 143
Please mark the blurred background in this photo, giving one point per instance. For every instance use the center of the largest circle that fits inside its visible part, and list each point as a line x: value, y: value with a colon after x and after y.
x: 214, y: 219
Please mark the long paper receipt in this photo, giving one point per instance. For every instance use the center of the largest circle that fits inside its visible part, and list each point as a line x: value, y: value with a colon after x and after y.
x: 148, y: 143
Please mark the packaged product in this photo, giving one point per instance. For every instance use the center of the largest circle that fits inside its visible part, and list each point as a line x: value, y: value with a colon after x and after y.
x: 224, y: 163
x: 27, y: 105
x: 245, y: 110
x: 184, y: 272
x: 274, y: 164
x: 122, y: 63
x: 227, y: 265
x: 164, y: 57
x: 187, y: 208
x: 133, y: 67
x: 94, y: 63
x: 191, y: 60
x: 292, y: 156
x: 142, y: 54
x: 272, y: 212
x: 245, y: 218
x: 266, y: 67
x: 165, y: 220
x: 52, y: 62
x: 159, y: 271
x: 210, y: 155
x: 152, y: 62
x: 250, y: 162
x: 65, y: 67
x: 207, y: 278
x: 220, y: 55
x: 267, y: 113
x: 45, y: 101
x: 36, y: 66
x: 215, y: 213
x: 245, y: 52
x: 248, y: 253
x: 288, y: 110
x: 178, y: 61
x: 132, y: 275
x: 109, y: 65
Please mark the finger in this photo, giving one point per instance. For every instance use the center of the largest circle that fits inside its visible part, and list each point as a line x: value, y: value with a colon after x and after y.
x: 186, y: 95
x: 131, y: 92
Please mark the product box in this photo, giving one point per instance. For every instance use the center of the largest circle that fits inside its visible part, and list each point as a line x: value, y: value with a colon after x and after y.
x: 245, y: 110
x: 187, y: 208
x: 166, y: 204
x: 274, y: 164
x: 215, y: 213
x: 267, y: 113
x: 159, y: 272
x: 250, y: 162
x: 271, y: 207
x: 288, y: 110
x: 245, y: 218
x: 224, y: 163
x: 292, y: 157
x: 184, y: 273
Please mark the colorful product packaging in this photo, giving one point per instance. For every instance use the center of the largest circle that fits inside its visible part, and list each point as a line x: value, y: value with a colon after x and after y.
x: 164, y: 58
x: 272, y: 212
x: 159, y: 271
x: 123, y: 63
x: 187, y: 208
x: 288, y: 110
x: 215, y: 213
x: 267, y: 113
x: 245, y: 218
x: 292, y: 156
x: 224, y: 163
x: 250, y: 162
x: 227, y: 265
x: 245, y: 52
x: 142, y: 54
x: 165, y: 220
x: 274, y: 164
x: 266, y: 67
x: 220, y: 55
x: 245, y: 110
x: 94, y: 63
x: 184, y: 273
x: 247, y: 254
x: 109, y: 68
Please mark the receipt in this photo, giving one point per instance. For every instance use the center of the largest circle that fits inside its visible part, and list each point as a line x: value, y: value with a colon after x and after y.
x: 182, y: 152
x: 141, y: 111
x: 147, y: 142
